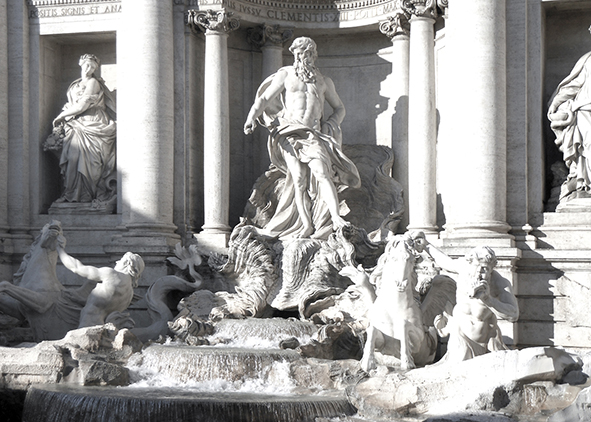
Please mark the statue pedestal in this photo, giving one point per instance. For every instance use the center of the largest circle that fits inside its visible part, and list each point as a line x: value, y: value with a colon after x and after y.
x: 94, y: 207
x: 579, y: 202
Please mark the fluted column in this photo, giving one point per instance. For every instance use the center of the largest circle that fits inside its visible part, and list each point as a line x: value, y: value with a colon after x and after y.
x: 5, y: 272
x: 397, y: 28
x: 216, y: 125
x: 270, y: 39
x: 18, y: 199
x: 422, y: 196
x: 145, y: 130
x: 478, y: 39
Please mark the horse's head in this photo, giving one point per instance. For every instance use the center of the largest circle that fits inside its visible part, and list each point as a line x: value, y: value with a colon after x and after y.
x: 398, y: 265
x: 50, y: 233
x: 37, y: 270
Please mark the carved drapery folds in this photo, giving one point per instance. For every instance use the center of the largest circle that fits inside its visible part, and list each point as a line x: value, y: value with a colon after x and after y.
x: 211, y: 20
x: 262, y: 35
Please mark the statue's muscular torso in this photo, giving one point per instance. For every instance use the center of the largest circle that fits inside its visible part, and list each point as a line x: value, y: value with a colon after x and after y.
x: 304, y: 103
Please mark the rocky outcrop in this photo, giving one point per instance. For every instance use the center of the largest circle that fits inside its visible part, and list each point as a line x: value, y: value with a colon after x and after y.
x: 87, y: 356
x: 514, y: 382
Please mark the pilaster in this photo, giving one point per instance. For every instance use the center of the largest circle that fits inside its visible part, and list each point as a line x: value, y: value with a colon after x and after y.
x: 5, y: 242
x: 17, y: 190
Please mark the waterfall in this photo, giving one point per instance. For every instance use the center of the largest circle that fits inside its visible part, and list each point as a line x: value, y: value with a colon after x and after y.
x: 57, y: 403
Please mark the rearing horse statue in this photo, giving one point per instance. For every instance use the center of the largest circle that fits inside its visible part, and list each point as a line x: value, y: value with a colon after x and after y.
x: 36, y: 294
x: 401, y: 324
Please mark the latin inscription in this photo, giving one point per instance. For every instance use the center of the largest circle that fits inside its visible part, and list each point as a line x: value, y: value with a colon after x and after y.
x: 295, y: 16
x: 56, y: 12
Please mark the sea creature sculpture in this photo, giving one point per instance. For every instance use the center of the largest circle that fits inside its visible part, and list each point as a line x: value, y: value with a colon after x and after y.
x: 36, y: 294
x: 400, y: 324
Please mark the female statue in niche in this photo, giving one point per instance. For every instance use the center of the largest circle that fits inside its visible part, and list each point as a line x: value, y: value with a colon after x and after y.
x: 86, y: 130
x: 569, y: 112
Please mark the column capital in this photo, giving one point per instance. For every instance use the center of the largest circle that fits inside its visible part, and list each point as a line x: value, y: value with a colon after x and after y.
x: 422, y: 8
x: 444, y: 6
x: 266, y: 35
x: 211, y: 20
x: 399, y: 22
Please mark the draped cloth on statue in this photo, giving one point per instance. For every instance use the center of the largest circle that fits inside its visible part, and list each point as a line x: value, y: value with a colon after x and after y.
x: 572, y: 125
x: 308, y: 144
x: 87, y: 160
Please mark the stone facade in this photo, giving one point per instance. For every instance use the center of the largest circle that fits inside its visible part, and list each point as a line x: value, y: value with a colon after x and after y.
x: 458, y: 90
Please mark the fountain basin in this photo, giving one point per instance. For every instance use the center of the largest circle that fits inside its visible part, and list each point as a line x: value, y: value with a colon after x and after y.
x: 59, y: 403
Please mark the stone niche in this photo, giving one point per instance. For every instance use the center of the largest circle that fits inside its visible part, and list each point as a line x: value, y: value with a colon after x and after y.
x: 58, y: 68
x: 566, y: 39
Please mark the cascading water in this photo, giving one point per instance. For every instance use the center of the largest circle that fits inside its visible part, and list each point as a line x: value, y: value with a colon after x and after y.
x: 246, y: 377
x: 96, y: 404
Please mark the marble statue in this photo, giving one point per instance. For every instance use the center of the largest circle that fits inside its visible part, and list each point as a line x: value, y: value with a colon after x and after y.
x: 85, y: 131
x: 569, y: 112
x: 305, y: 146
x: 482, y: 296
x: 376, y: 206
x: 400, y: 324
x: 114, y: 288
x: 37, y: 296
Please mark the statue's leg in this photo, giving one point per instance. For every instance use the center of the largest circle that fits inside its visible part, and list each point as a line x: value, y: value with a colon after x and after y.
x: 36, y: 301
x: 368, y: 361
x: 407, y: 361
x: 10, y: 306
x: 327, y: 191
x: 299, y: 174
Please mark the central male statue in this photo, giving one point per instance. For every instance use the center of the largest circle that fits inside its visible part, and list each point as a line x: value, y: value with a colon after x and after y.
x: 303, y: 145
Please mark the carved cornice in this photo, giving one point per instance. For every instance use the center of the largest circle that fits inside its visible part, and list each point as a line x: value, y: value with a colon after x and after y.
x: 211, y: 20
x: 49, y: 3
x: 302, y: 5
x: 263, y: 35
x: 399, y: 22
x: 423, y: 8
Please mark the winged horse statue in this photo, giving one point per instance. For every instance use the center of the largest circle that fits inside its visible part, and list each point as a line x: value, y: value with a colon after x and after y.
x: 400, y: 323
x: 37, y: 296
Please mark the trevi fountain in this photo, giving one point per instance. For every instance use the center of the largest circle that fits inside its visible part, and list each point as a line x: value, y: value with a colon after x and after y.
x: 295, y: 210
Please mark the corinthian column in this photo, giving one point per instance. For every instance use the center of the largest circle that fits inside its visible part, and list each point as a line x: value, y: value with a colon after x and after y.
x: 145, y: 127
x: 270, y: 39
x: 216, y: 125
x: 397, y: 28
x: 422, y: 134
x: 478, y: 40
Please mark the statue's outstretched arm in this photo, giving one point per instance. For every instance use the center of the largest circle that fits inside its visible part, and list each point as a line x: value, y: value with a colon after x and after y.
x: 441, y: 259
x: 260, y: 103
x: 72, y: 264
